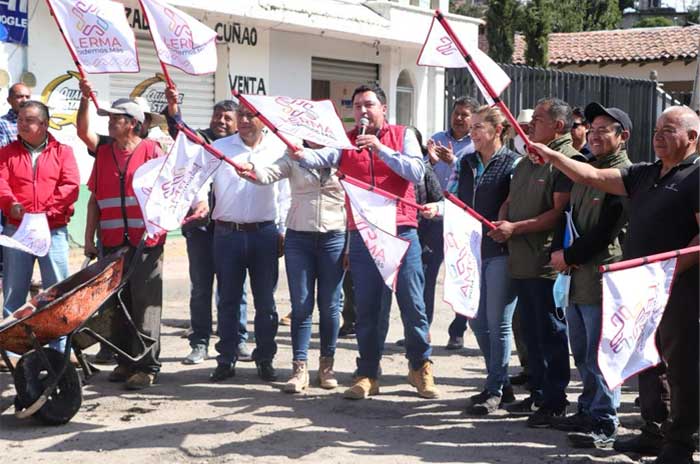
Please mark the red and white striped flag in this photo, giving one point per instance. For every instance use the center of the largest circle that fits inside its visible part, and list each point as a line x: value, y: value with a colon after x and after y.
x: 462, y: 246
x: 98, y: 34
x: 315, y: 121
x: 634, y: 300
x: 179, y: 39
x: 375, y: 218
x: 440, y: 50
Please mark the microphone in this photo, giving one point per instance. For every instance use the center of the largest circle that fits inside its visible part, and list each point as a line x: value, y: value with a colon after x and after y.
x: 364, y: 122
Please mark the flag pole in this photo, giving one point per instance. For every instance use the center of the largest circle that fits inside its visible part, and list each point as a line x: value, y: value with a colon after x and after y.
x: 384, y: 193
x: 264, y: 120
x: 216, y: 153
x: 469, y: 210
x: 470, y: 62
x: 648, y: 259
x: 72, y: 53
x: 166, y: 74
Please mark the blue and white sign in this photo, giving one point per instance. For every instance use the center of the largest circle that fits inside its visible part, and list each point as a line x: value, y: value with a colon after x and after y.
x: 13, y: 21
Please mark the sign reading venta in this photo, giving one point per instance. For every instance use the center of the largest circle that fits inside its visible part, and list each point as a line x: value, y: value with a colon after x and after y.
x: 13, y: 21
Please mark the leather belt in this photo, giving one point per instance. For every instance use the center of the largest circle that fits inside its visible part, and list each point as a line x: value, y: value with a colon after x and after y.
x: 244, y: 227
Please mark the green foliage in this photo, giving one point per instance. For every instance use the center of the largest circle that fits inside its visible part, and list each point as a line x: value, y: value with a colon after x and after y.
x: 654, y: 21
x: 538, y: 25
x: 500, y: 28
x: 693, y: 15
x: 602, y: 15
x: 622, y: 4
x: 568, y: 15
x: 467, y: 9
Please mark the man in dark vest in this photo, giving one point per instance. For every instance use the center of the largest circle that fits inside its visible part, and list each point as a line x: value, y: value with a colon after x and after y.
x: 663, y: 216
x: 390, y: 158
x: 538, y: 196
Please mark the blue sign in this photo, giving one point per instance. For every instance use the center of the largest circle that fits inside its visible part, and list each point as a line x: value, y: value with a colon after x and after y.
x: 13, y: 21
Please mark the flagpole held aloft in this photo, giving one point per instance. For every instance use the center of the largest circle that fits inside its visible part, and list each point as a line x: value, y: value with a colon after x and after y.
x: 480, y: 76
x: 93, y: 97
x: 648, y: 259
x: 468, y: 210
x: 216, y: 153
x: 166, y: 74
x: 264, y: 120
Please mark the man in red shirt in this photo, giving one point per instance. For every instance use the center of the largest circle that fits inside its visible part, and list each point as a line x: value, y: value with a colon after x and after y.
x: 37, y: 174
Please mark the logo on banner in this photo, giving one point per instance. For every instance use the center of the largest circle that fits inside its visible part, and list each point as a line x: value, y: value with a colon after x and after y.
x: 153, y: 90
x: 447, y: 47
x: 13, y: 21
x: 62, y: 96
x: 83, y: 14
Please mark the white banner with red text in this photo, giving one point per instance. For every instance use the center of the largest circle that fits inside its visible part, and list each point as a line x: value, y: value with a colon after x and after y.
x: 462, y: 247
x: 634, y: 300
x: 375, y: 218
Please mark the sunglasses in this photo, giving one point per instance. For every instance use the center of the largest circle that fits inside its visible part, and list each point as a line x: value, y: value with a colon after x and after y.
x: 576, y: 125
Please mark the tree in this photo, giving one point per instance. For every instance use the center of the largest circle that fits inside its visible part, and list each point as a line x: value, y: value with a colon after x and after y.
x: 568, y: 15
x: 602, y: 15
x: 466, y: 8
x: 500, y: 29
x: 538, y: 25
x: 654, y: 21
x: 693, y: 15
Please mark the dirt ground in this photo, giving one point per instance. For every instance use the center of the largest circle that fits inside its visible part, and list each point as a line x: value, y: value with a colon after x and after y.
x: 184, y: 418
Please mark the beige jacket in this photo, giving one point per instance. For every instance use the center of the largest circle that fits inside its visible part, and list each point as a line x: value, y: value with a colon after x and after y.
x: 318, y: 199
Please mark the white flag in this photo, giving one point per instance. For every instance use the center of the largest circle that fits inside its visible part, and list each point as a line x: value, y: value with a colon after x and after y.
x: 633, y: 305
x: 440, y: 50
x: 99, y: 35
x: 142, y: 183
x: 375, y: 218
x: 315, y: 121
x: 462, y: 245
x: 179, y: 39
x: 33, y: 235
x: 184, y: 171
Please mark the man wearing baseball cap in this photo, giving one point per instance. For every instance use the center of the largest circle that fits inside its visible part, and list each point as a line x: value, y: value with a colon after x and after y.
x: 664, y: 213
x: 599, y: 220
x: 114, y: 208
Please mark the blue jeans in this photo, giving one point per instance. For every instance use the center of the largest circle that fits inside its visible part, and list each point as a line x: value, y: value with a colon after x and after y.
x: 19, y: 266
x: 238, y: 252
x: 200, y: 254
x: 313, y: 257
x: 433, y: 254
x: 492, y: 325
x: 596, y: 399
x: 544, y: 327
x: 373, y: 300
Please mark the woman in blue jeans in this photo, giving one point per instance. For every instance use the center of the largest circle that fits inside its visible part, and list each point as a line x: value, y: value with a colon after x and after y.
x: 482, y: 181
x: 313, y: 253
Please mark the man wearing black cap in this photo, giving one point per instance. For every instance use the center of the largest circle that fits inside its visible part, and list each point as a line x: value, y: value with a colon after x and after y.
x: 598, y: 219
x: 664, y: 214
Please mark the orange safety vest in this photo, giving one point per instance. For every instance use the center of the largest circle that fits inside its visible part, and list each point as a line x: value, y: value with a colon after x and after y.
x: 121, y: 221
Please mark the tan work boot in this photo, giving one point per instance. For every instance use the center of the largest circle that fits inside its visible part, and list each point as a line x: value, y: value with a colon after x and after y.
x: 140, y: 380
x: 326, y: 376
x: 299, y: 381
x: 422, y: 379
x: 286, y: 320
x: 362, y: 388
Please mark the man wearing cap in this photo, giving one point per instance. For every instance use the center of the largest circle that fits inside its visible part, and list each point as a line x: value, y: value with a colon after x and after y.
x: 664, y: 214
x: 534, y: 208
x: 37, y: 174
x: 113, y: 206
x: 199, y: 234
x: 445, y: 150
x: 598, y: 220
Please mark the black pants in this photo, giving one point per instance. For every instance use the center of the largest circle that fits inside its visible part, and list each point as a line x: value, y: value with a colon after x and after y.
x: 678, y: 337
x: 349, y: 315
x: 143, y: 298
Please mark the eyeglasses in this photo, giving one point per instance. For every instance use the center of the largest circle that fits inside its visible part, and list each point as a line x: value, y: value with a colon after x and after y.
x: 576, y: 125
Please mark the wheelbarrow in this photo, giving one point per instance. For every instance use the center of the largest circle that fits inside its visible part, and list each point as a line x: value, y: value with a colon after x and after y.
x: 47, y: 384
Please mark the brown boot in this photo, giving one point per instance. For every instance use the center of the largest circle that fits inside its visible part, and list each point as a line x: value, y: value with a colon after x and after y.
x: 326, y: 376
x: 299, y: 381
x: 362, y: 388
x: 422, y: 379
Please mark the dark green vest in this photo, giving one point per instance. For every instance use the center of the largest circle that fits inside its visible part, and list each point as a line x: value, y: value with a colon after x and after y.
x: 531, y: 194
x: 586, y: 203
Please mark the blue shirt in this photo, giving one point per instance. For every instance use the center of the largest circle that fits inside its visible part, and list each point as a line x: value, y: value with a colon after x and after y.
x: 460, y: 147
x: 8, y: 128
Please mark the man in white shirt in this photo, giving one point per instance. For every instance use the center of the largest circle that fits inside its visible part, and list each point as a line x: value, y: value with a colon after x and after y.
x: 248, y: 237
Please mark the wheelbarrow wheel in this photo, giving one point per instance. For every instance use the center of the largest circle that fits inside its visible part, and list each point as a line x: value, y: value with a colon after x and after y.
x: 32, y: 377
